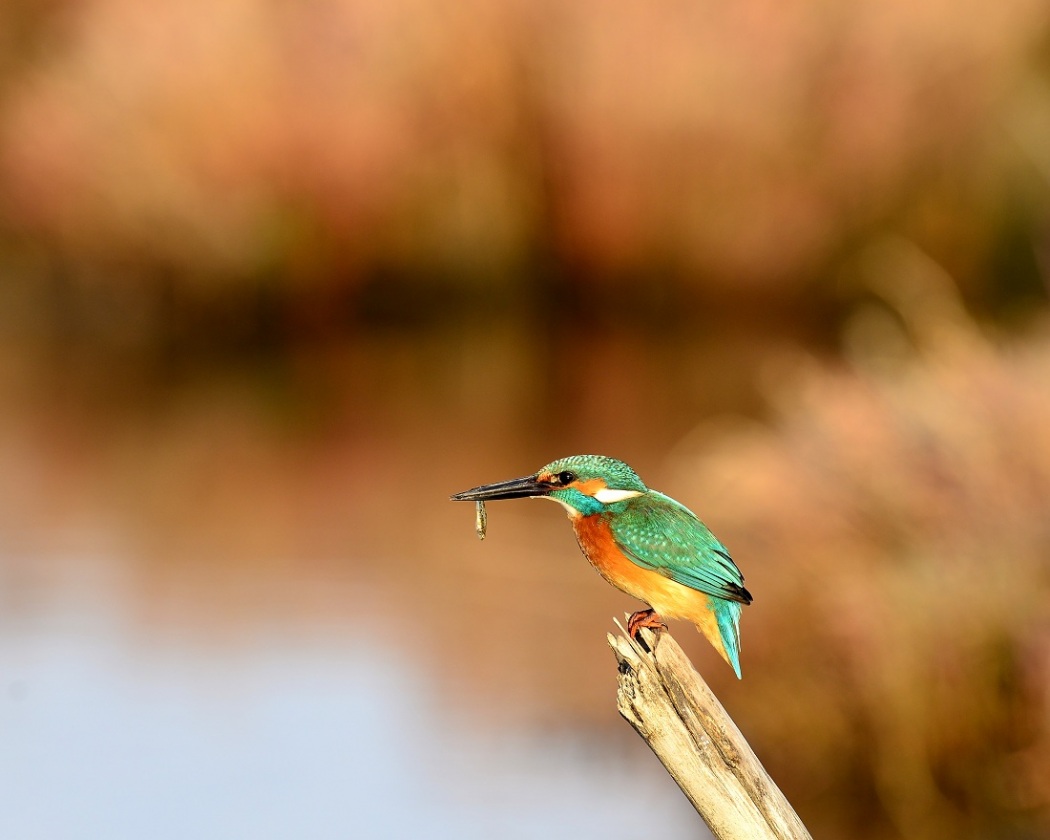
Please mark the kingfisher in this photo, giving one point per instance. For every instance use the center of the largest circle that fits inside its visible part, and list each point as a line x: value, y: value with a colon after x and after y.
x: 642, y: 542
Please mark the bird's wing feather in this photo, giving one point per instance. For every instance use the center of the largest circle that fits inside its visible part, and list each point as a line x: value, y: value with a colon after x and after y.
x: 659, y: 534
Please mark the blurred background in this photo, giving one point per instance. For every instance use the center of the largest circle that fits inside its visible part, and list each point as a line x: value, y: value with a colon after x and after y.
x: 276, y: 278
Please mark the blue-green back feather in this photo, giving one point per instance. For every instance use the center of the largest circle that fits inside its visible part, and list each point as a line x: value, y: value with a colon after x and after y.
x: 661, y: 535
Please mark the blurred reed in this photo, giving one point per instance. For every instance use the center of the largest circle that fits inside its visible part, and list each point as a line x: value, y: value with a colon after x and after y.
x: 249, y: 148
x: 899, y: 508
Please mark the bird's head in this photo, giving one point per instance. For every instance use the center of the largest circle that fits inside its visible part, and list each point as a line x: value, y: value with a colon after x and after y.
x: 583, y: 484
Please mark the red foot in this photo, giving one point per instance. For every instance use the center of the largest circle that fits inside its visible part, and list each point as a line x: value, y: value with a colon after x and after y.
x: 644, y: 618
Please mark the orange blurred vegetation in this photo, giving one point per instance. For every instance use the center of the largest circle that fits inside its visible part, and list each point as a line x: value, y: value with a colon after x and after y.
x: 314, y: 144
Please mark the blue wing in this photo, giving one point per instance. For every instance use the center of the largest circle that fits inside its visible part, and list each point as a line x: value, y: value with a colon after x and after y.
x: 661, y: 535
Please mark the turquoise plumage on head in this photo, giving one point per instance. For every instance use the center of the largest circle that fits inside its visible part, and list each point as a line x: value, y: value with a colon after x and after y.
x: 643, y: 542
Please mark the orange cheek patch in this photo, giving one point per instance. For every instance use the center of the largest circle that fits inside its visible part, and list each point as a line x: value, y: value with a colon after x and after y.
x: 589, y: 487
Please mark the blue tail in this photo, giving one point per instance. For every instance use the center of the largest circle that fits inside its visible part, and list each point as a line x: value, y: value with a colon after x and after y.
x: 728, y: 615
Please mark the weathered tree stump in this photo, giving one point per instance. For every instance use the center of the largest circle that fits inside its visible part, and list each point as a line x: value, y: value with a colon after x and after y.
x: 668, y: 703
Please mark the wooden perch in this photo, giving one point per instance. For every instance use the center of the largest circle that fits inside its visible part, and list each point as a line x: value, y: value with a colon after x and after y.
x: 668, y: 703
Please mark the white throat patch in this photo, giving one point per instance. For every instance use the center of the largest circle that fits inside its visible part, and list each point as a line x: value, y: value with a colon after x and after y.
x: 607, y: 496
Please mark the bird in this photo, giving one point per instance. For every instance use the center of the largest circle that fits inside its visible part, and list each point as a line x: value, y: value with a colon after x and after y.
x: 642, y: 542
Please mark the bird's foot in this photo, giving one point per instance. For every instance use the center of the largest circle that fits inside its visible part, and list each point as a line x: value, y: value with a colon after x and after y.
x: 644, y: 618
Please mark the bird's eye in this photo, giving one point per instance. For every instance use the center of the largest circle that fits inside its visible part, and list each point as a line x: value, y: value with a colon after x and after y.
x: 566, y: 477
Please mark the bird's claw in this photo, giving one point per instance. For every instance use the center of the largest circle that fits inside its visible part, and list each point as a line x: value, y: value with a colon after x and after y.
x: 644, y: 618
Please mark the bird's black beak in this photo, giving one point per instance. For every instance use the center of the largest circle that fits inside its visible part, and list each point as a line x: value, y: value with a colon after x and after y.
x: 516, y: 488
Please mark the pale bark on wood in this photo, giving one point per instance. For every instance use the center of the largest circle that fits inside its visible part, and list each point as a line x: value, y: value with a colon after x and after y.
x: 668, y: 703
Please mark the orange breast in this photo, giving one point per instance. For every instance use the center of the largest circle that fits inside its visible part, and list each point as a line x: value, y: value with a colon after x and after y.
x: 668, y: 598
